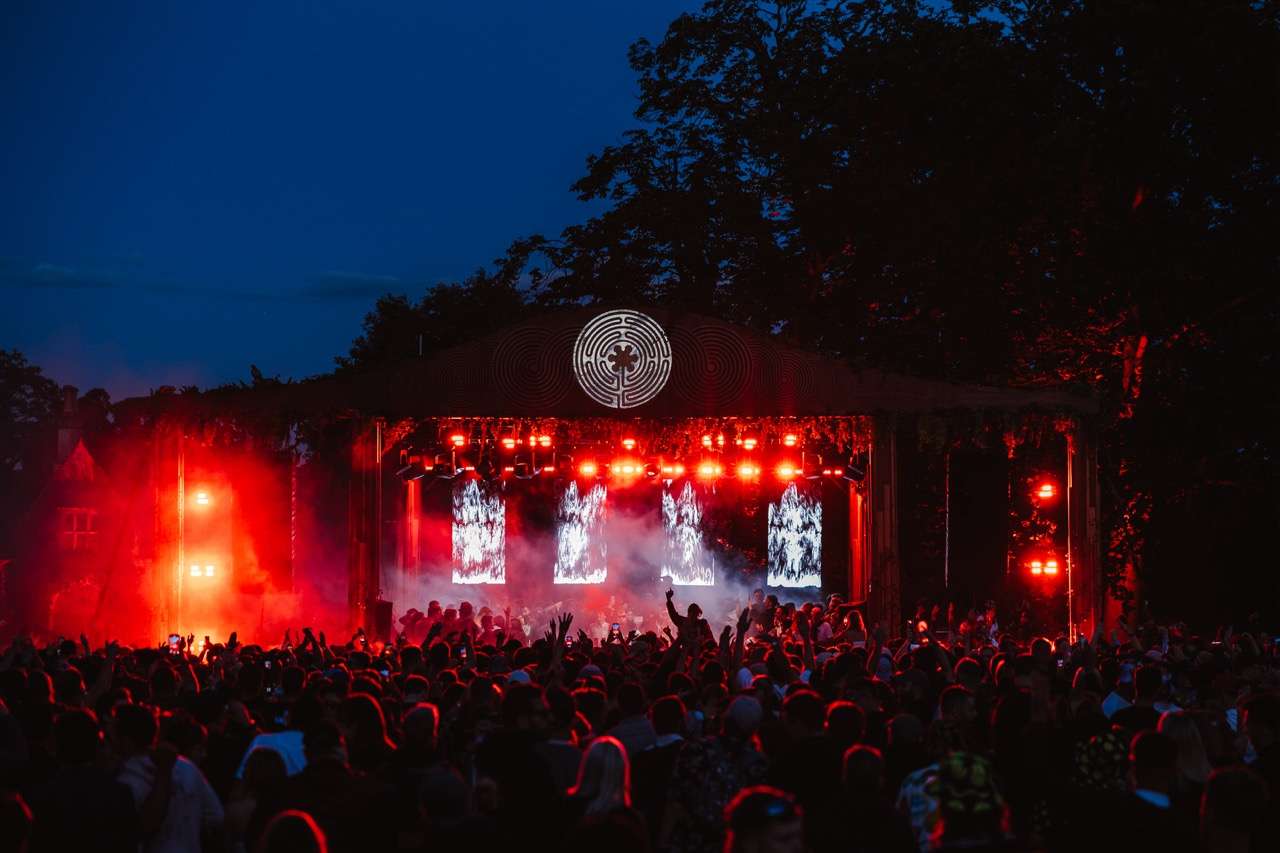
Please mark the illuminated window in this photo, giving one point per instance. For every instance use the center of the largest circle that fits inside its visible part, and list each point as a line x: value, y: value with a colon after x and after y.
x: 78, y: 530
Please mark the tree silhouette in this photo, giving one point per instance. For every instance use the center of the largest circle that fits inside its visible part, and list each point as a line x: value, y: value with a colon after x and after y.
x: 1019, y: 193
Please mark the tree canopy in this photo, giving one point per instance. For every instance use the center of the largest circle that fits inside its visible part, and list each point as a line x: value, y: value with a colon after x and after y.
x: 1023, y: 193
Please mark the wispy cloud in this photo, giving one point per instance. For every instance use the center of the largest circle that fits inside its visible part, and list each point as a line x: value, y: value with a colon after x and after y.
x: 330, y: 285
x: 341, y: 284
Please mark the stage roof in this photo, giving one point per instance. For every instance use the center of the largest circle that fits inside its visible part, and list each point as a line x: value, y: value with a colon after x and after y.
x: 691, y: 366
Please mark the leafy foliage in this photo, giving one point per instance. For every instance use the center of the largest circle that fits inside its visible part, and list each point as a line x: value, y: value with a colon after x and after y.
x: 1020, y: 193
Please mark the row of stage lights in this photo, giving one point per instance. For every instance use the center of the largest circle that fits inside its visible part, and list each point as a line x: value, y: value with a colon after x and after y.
x: 520, y: 457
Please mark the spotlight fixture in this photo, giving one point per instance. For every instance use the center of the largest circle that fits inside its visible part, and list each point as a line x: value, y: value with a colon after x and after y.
x: 709, y: 470
x: 787, y: 471
x: 202, y: 498
x: 628, y: 444
x: 1046, y: 491
x: 790, y: 440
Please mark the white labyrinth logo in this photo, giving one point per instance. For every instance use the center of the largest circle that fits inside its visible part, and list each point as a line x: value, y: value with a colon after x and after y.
x: 622, y: 359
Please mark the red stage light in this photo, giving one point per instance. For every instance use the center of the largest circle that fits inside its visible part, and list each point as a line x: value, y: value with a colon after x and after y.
x: 1051, y: 567
x: 747, y: 471
x: 720, y: 439
x: 208, y: 570
x: 544, y: 441
x: 457, y: 439
x: 826, y: 472
x: 195, y: 571
x: 629, y: 443
x: 839, y: 472
x: 709, y: 469
x: 749, y: 443
x: 789, y: 440
x: 787, y: 471
x: 587, y: 469
x: 673, y: 470
x: 1037, y: 567
x: 202, y: 498
x: 508, y: 469
x: 626, y: 468
x: 509, y: 443
x: 706, y: 441
x: 1047, y: 491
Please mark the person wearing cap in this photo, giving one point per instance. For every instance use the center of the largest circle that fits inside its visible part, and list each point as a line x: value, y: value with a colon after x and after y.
x: 761, y: 819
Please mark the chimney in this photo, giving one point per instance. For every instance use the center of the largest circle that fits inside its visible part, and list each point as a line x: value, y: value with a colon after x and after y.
x: 69, y: 423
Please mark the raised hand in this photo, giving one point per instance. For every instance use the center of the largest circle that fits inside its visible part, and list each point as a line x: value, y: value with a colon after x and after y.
x: 562, y: 628
x: 671, y: 593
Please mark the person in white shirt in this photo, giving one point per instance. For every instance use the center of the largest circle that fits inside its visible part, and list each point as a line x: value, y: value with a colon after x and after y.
x: 176, y: 804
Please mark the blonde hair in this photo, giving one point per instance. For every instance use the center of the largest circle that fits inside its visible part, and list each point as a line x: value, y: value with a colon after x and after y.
x: 1193, y: 761
x: 604, y: 777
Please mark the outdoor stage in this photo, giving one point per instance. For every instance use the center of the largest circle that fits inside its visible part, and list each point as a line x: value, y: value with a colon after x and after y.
x: 576, y: 458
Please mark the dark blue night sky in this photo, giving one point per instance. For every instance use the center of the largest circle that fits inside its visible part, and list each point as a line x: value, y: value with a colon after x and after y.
x: 189, y: 188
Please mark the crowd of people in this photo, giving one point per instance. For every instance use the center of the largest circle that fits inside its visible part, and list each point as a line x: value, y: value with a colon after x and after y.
x: 794, y: 728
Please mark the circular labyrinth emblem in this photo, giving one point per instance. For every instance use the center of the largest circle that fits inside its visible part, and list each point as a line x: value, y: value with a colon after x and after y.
x: 622, y: 359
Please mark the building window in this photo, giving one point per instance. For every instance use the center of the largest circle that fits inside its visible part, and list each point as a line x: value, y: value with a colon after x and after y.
x: 79, y: 530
